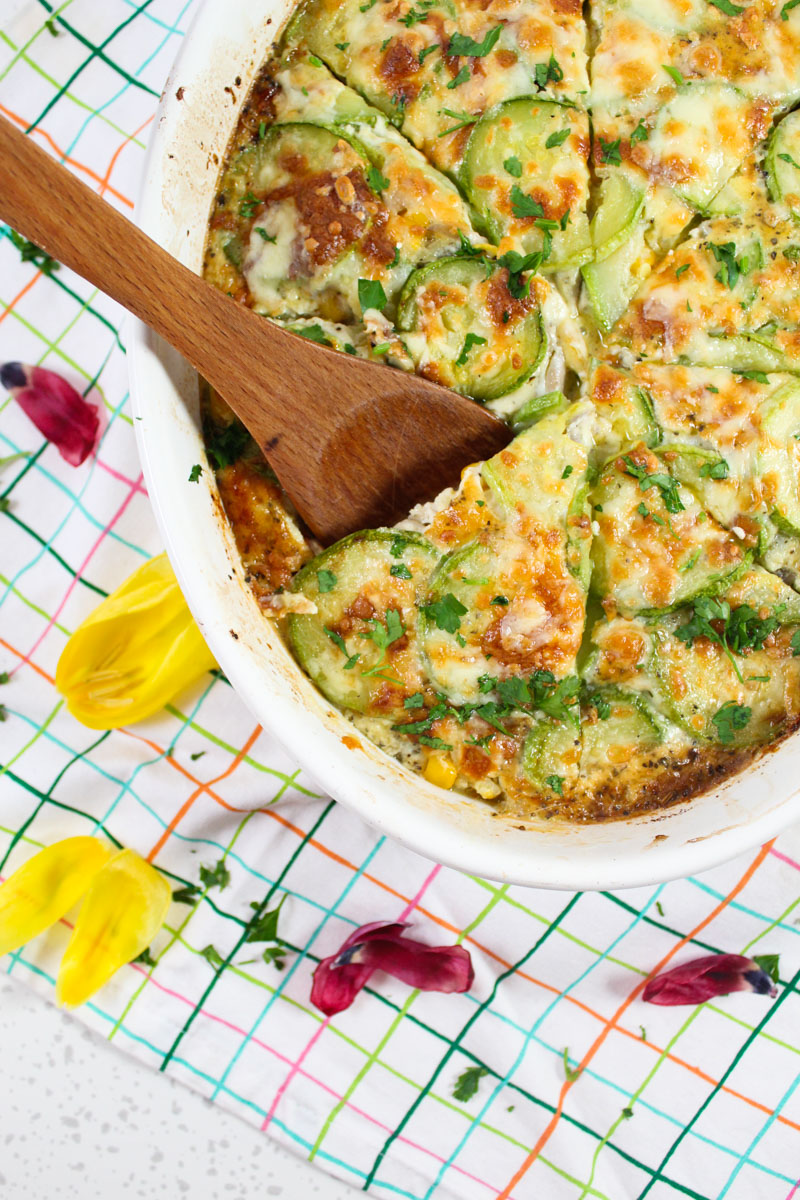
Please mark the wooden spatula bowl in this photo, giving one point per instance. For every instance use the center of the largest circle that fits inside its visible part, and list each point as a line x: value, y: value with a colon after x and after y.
x: 354, y: 443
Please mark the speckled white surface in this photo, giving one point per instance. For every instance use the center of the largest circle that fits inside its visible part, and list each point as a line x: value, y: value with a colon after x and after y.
x: 81, y: 1121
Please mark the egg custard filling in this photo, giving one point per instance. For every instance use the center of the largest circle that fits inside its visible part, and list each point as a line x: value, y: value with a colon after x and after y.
x: 586, y: 218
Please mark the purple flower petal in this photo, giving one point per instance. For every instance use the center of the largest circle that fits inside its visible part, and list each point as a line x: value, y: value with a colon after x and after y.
x: 704, y: 978
x: 378, y: 947
x: 61, y: 414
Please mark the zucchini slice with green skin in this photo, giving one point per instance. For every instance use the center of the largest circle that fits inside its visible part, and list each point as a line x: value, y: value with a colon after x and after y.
x: 617, y: 727
x: 611, y: 283
x: 783, y: 156
x: 703, y: 126
x: 723, y: 492
x: 513, y: 602
x: 782, y: 557
x: 458, y: 304
x: 656, y: 547
x: 624, y: 409
x: 779, y: 457
x: 618, y: 213
x: 529, y: 154
x: 366, y: 589
x: 698, y: 678
x: 537, y: 407
x: 551, y: 756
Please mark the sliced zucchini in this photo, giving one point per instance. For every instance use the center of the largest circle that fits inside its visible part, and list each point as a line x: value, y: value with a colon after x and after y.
x: 525, y: 154
x: 783, y: 156
x: 656, y: 546
x: 620, y: 207
x: 359, y: 646
x: 459, y: 305
x: 612, y: 283
x: 779, y: 457
x: 534, y: 409
x: 617, y: 727
x: 551, y: 756
x: 701, y: 683
x: 703, y: 128
x: 723, y: 492
x: 513, y: 602
x: 782, y: 557
x: 624, y: 409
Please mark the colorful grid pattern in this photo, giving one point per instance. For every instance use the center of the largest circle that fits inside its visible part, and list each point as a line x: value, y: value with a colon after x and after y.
x: 657, y: 1102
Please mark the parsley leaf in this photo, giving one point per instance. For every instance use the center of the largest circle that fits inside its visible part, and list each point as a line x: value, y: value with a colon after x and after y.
x: 524, y: 206
x: 29, y: 252
x: 377, y: 181
x: 674, y: 75
x: 571, y: 1073
x: 445, y: 613
x: 730, y: 267
x: 639, y: 134
x: 371, y: 294
x: 339, y: 642
x: 248, y: 205
x: 467, y: 46
x: 788, y: 158
x: 314, y: 333
x: 326, y: 581
x: 400, y: 571
x: 516, y: 263
x: 461, y: 119
x: 735, y: 630
x: 264, y: 928
x: 187, y: 895
x: 557, y: 139
x: 472, y: 339
x: 549, y: 72
x: 609, y: 152
x: 225, y: 445
x: 556, y: 782
x: 795, y: 643
x: 769, y: 963
x: 787, y: 8
x: 513, y: 166
x: 467, y: 1083
x: 725, y: 6
x: 730, y: 718
x: 462, y: 77
x: 147, y: 959
x: 212, y: 956
x: 266, y: 237
x: 195, y: 473
x: 423, y: 54
x: 218, y: 876
x: 715, y: 470
x: 667, y: 486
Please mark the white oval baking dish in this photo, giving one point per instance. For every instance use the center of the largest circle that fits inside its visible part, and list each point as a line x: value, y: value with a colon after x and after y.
x: 210, y: 79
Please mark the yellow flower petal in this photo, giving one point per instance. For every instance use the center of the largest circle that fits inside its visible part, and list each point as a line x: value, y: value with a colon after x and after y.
x: 123, y: 911
x: 46, y: 887
x: 138, y: 649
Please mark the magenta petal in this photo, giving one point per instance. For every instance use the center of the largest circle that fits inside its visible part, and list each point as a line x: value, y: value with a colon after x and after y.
x: 377, y: 947
x: 61, y: 414
x: 704, y: 978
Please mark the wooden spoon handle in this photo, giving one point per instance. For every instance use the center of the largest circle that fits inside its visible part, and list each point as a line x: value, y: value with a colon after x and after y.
x: 49, y: 205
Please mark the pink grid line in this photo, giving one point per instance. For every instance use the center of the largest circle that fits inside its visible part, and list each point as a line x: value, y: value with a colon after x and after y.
x: 409, y: 908
x: 785, y: 858
x: 78, y: 574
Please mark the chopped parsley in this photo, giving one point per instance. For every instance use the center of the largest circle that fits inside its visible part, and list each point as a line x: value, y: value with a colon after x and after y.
x: 339, y: 642
x: 610, y: 152
x: 680, y: 270
x: 314, y: 333
x: 445, y: 613
x: 502, y: 601
x: 384, y: 635
x: 248, y: 205
x: 423, y: 54
x: 715, y: 470
x: 212, y: 956
x: 731, y: 267
x: 556, y: 782
x: 729, y: 719
x: 267, y: 237
x: 787, y: 8
x: 400, y: 571
x: 326, y: 581
x: 549, y: 72
x: 737, y: 630
x: 792, y: 253
x: 565, y: 474
x: 557, y: 139
x: 725, y: 6
x: 769, y: 964
x: 462, y: 77
x: 639, y: 134
x: 472, y: 339
x: 674, y: 75
x: 513, y: 166
x: 189, y: 894
x: 415, y: 701
x: 264, y: 928
x: 571, y: 1073
x: 523, y: 205
x: 466, y: 1085
x: 667, y: 486
x: 516, y: 264
x: 469, y: 48
x: 29, y: 252
x: 197, y: 754
x: 377, y: 181
x: 414, y: 16
x: 461, y: 119
x: 788, y: 159
x: 146, y: 958
x: 315, y: 62
x: 195, y: 473
x: 371, y: 294
x: 217, y: 876
x: 756, y: 376
x: 341, y: 46
x: 795, y: 643
x: 226, y: 444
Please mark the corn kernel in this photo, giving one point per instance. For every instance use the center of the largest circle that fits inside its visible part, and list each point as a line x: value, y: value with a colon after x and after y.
x: 440, y: 771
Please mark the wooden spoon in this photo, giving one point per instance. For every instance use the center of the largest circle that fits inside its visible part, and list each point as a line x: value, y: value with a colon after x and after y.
x: 354, y: 443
